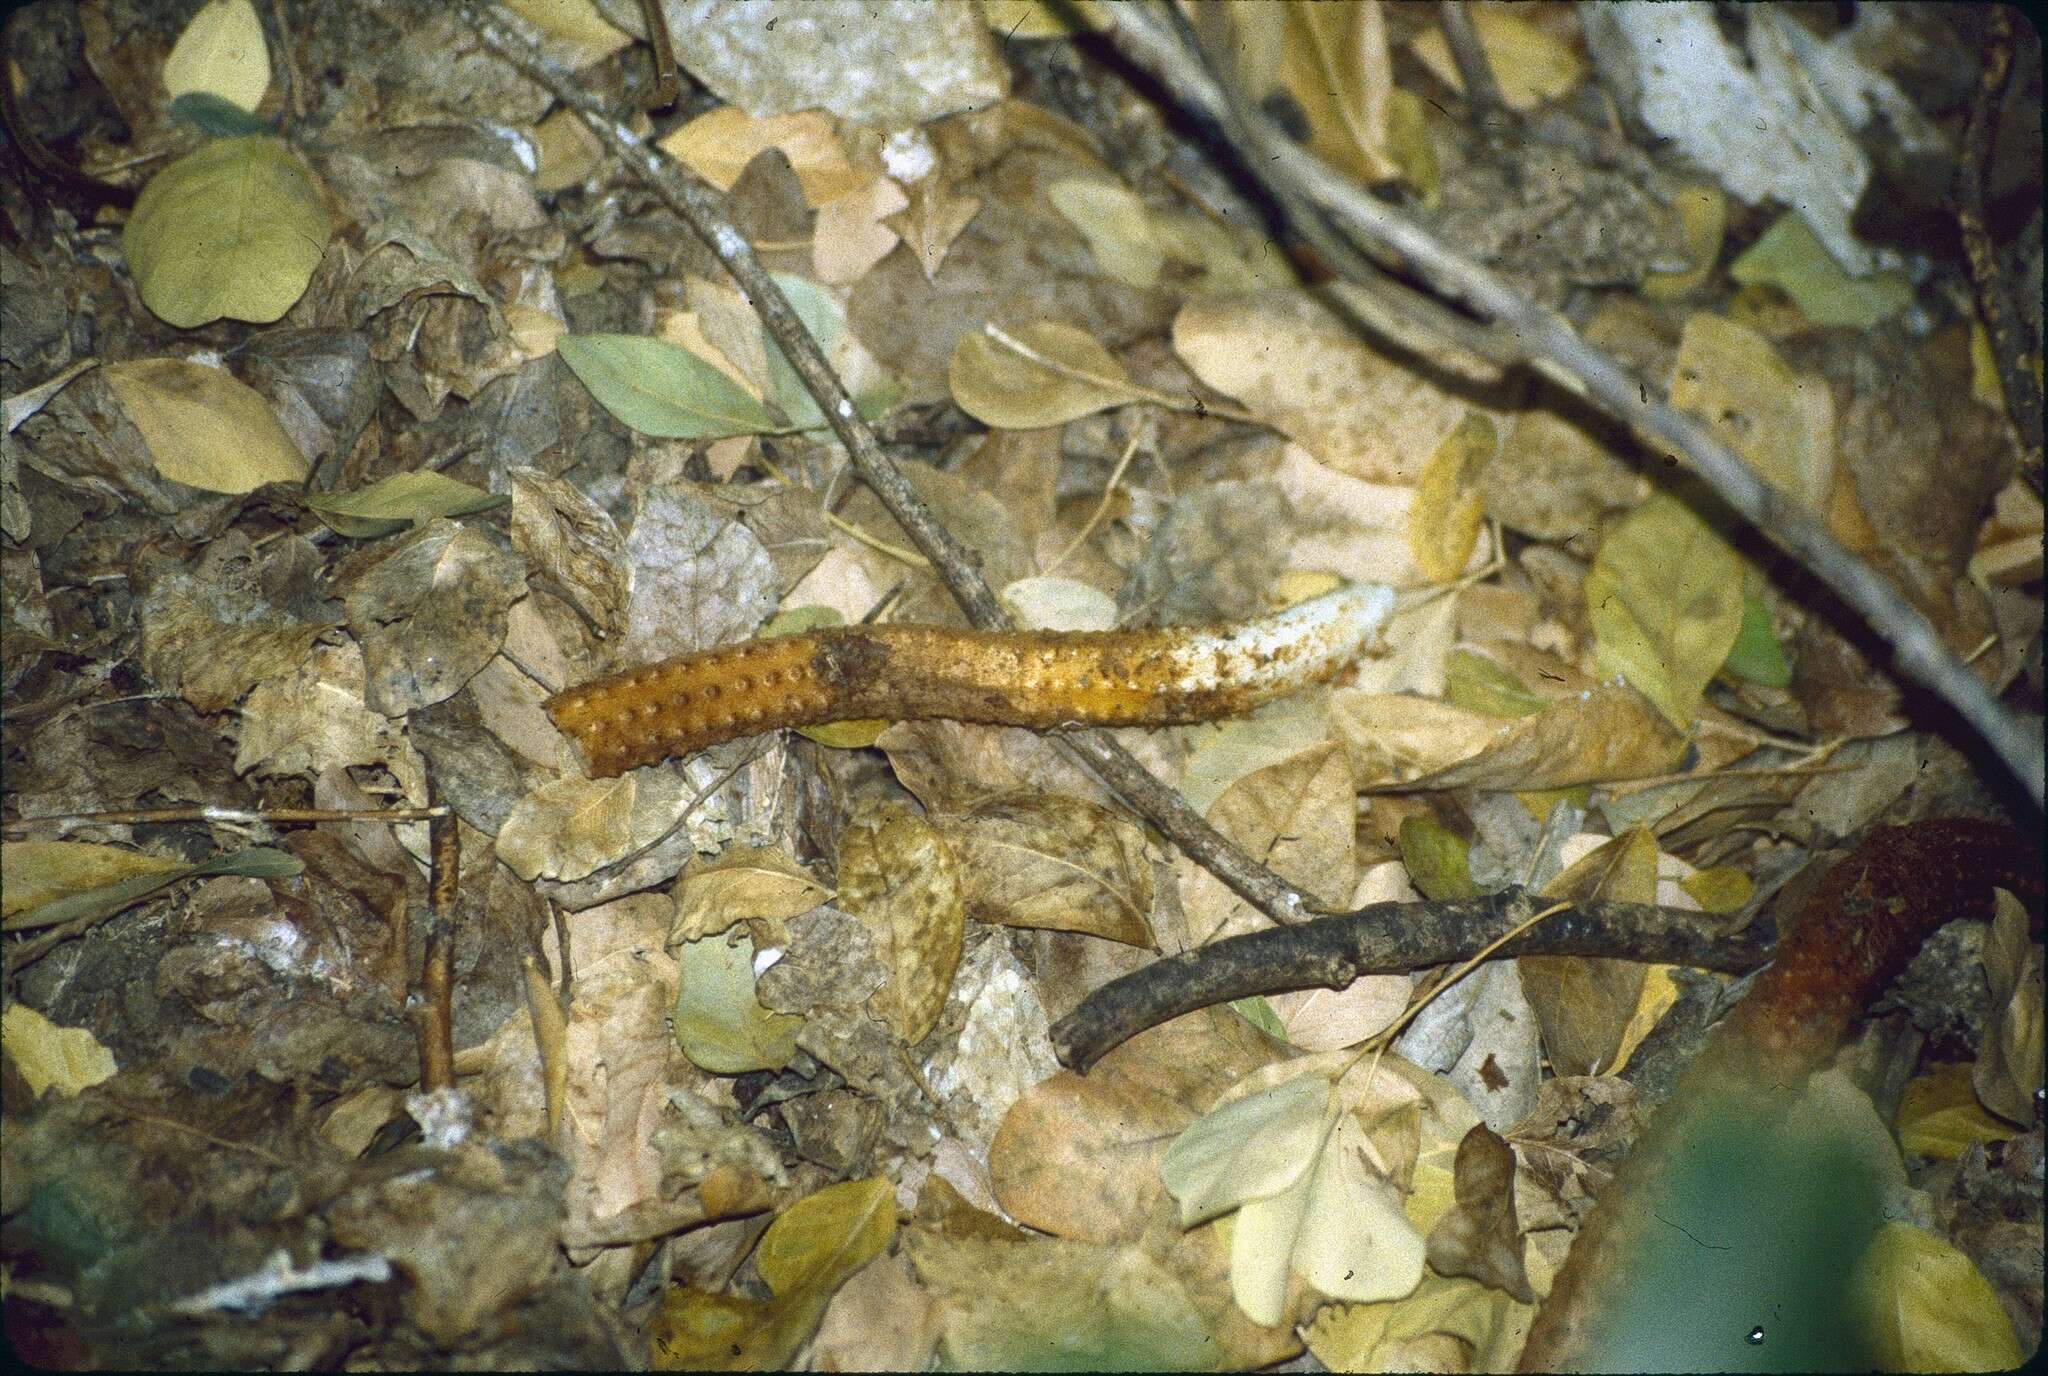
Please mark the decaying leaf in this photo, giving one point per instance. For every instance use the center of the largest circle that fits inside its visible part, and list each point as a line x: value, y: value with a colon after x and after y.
x: 1599, y: 734
x: 742, y: 884
x: 1054, y: 862
x: 1478, y: 1236
x: 572, y: 541
x: 2008, y: 1073
x: 573, y: 827
x: 431, y: 613
x: 900, y: 876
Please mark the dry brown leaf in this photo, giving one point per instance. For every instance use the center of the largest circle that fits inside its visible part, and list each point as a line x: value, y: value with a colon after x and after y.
x: 1299, y: 367
x: 898, y: 875
x: 936, y: 216
x: 881, y: 1320
x: 741, y: 884
x: 2007, y: 1075
x: 718, y: 145
x: 853, y: 233
x: 1295, y: 817
x: 1584, y: 1003
x: 314, y: 718
x: 1358, y: 530
x: 1078, y: 1156
x: 431, y: 613
x: 1039, y: 374
x: 1057, y: 862
x: 1477, y: 1236
x: 566, y: 537
x: 573, y: 827
x: 1602, y: 733
x: 1559, y: 478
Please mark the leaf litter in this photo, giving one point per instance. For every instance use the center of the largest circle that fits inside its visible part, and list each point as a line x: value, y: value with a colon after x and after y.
x: 414, y: 407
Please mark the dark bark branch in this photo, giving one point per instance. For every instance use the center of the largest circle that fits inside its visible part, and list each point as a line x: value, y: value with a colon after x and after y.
x: 1392, y: 938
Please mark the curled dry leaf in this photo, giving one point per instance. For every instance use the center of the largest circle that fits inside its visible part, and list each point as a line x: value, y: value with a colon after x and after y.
x: 742, y: 884
x: 432, y: 613
x: 1296, y: 816
x: 2008, y: 1072
x: 899, y: 875
x: 1478, y: 1236
x: 1055, y: 862
x: 314, y: 718
x: 1604, y: 733
x: 1064, y: 375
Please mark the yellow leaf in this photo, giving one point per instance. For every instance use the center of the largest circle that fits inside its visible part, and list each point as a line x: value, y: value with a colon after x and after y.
x: 1939, y: 1115
x: 1043, y: 18
x: 1529, y: 64
x: 1781, y: 422
x: 234, y: 229
x: 222, y: 53
x: 1335, y: 64
x: 1926, y: 1307
x: 1664, y: 597
x: 204, y: 428
x: 573, y: 25
x: 718, y: 146
x: 1443, y: 524
x: 822, y: 1239
x: 1721, y: 889
x: 33, y: 873
x: 1703, y: 216
x: 1040, y: 374
x: 70, y: 1058
x: 808, y: 1252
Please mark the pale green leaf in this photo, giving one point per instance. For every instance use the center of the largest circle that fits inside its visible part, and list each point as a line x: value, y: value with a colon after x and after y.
x: 1262, y: 1249
x: 233, y: 229
x: 1664, y: 597
x: 1478, y: 684
x: 1791, y: 257
x: 106, y: 899
x: 661, y: 390
x: 1756, y: 654
x: 1437, y: 859
x: 720, y: 1025
x: 1356, y: 1242
x: 221, y: 53
x: 398, y: 501
x: 1251, y: 1148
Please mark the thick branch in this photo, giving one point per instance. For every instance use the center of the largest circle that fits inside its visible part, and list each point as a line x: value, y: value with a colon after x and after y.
x: 1390, y: 938
x: 1550, y: 345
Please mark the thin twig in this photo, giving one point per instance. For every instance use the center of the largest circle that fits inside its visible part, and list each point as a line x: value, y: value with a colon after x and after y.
x: 246, y: 816
x: 703, y: 209
x: 433, y: 1011
x: 1482, y: 92
x: 1552, y: 347
x: 1995, y: 306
